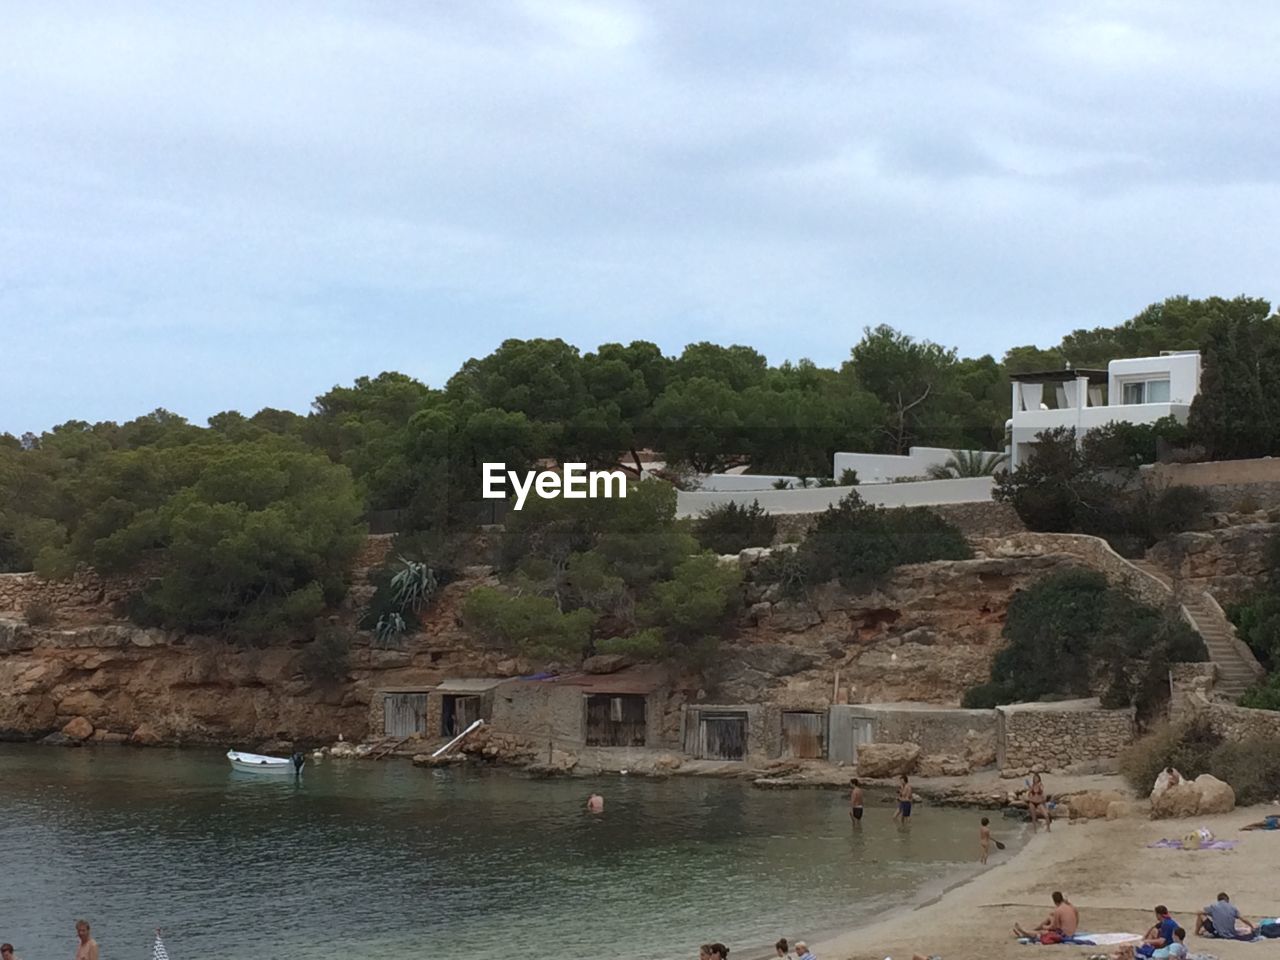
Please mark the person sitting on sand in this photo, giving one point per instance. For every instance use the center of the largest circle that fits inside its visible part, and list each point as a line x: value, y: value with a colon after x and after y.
x: 595, y: 803
x: 1036, y: 801
x: 984, y: 840
x: 1061, y: 924
x: 1219, y: 920
x: 782, y: 948
x: 1160, y: 935
x: 802, y: 951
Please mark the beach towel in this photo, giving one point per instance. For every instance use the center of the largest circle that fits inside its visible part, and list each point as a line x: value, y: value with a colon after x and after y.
x: 1109, y: 939
x: 1168, y: 844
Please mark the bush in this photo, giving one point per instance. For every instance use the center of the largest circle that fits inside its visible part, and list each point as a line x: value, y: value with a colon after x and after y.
x: 1189, y: 748
x: 1252, y: 767
x: 858, y: 543
x: 986, y: 695
x: 731, y: 528
x: 534, y: 626
x: 1175, y: 509
x: 848, y: 477
x: 327, y: 658
x: 1263, y: 695
x: 38, y: 614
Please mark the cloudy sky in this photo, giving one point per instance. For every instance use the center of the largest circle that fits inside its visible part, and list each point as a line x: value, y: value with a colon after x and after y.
x: 229, y: 206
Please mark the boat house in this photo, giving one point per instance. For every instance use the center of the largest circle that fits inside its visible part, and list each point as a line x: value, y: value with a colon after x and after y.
x: 622, y: 709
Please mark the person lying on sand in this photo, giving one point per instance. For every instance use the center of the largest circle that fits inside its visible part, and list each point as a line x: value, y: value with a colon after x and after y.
x: 1219, y: 920
x: 1270, y: 823
x: 1060, y: 925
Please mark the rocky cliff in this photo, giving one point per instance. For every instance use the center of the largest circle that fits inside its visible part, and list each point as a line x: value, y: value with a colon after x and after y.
x: 926, y: 634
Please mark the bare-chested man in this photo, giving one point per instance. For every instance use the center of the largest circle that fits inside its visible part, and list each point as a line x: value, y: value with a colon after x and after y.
x: 855, y: 802
x: 1061, y: 923
x: 905, y: 799
x: 595, y: 803
x: 88, y: 949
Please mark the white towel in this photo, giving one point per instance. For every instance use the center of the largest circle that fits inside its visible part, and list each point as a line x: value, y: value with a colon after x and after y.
x: 1108, y: 939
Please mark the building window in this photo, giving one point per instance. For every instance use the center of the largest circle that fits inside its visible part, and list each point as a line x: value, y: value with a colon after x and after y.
x: 1146, y: 391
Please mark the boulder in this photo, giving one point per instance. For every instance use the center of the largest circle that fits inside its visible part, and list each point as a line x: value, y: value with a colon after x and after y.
x: 1093, y: 804
x: 1215, y: 795
x: 145, y: 736
x: 1180, y: 800
x: 887, y: 759
x: 78, y: 728
x: 941, y: 765
x: 606, y: 663
x: 1120, y: 809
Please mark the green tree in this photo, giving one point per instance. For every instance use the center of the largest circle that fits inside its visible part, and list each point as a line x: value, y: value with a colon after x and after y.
x: 700, y: 423
x: 1237, y: 412
x: 916, y: 382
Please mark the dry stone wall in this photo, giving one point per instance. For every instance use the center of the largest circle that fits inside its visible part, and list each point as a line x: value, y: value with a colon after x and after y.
x: 85, y: 590
x: 1233, y: 486
x: 1037, y: 737
x: 1091, y: 552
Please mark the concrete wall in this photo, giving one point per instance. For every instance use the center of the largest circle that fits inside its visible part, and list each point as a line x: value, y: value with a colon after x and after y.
x: 944, y: 731
x: 741, y: 481
x: 1182, y: 371
x: 1055, y: 736
x: 886, y: 467
x: 817, y: 499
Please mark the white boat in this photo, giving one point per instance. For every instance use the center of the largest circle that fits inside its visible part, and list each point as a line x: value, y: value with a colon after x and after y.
x: 257, y: 763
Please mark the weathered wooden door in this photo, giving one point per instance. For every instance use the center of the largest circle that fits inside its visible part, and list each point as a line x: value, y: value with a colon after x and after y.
x: 802, y: 735
x: 723, y: 736
x: 404, y: 714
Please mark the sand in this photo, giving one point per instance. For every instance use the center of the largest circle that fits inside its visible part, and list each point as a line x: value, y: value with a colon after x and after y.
x: 1106, y: 869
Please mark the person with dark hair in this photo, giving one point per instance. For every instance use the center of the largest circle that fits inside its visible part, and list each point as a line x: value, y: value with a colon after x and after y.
x: 1061, y: 924
x: 984, y: 840
x: 855, y: 801
x: 1037, y: 805
x: 1220, y: 919
x: 782, y: 948
x: 905, y: 799
x: 1160, y: 935
x: 6, y: 952
x: 719, y: 951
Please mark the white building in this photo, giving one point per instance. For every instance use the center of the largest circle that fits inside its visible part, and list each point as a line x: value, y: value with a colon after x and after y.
x: 1141, y: 390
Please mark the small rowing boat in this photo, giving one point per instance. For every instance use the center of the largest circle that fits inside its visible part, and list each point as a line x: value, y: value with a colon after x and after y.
x: 257, y: 763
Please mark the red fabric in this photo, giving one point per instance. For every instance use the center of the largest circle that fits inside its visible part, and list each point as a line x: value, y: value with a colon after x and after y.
x: 1051, y: 937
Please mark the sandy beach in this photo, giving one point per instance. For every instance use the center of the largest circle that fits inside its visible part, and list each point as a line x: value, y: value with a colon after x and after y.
x: 1107, y: 870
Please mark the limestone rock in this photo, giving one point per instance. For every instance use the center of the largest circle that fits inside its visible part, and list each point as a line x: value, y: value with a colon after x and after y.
x: 1181, y: 800
x: 1215, y: 795
x: 1120, y: 809
x: 79, y: 728
x: 606, y: 663
x: 145, y: 736
x: 1093, y: 804
x: 794, y: 615
x: 887, y: 759
x: 940, y: 765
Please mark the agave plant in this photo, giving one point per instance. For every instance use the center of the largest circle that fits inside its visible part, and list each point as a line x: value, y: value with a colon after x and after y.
x: 388, y: 629
x: 414, y: 585
x: 968, y: 463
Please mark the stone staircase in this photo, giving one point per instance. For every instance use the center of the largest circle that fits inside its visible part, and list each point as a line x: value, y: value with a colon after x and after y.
x: 1236, y: 667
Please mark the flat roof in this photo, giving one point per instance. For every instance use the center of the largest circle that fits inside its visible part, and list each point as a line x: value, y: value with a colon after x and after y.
x: 1060, y: 376
x: 641, y: 680
x: 469, y: 684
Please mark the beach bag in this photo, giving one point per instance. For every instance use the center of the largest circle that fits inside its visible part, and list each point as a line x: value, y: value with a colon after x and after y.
x: 1271, y: 930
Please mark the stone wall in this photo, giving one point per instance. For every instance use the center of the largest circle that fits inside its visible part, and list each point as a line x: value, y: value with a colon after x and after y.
x: 984, y: 518
x: 1233, y: 486
x: 85, y: 590
x: 1229, y: 721
x: 1054, y: 736
x: 1228, y: 562
x: 1092, y: 552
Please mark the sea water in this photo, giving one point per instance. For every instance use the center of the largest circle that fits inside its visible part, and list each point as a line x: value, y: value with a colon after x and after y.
x: 384, y: 860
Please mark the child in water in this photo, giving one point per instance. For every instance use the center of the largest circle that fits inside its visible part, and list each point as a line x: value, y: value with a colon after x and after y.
x: 984, y: 839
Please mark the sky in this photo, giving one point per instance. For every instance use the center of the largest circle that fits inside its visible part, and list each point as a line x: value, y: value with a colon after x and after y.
x: 223, y: 206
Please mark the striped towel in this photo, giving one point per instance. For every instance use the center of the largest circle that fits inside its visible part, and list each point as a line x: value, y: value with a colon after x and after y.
x: 159, y: 952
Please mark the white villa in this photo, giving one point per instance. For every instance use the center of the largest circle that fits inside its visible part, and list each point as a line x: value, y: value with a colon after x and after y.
x: 1141, y: 390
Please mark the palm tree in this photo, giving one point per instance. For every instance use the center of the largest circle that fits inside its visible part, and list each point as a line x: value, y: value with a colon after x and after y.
x: 967, y: 463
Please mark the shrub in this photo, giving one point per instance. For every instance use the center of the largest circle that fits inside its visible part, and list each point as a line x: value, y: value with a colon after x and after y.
x: 1252, y: 767
x: 730, y: 528
x: 858, y: 543
x: 967, y: 463
x: 327, y: 658
x: 38, y: 614
x: 1175, y: 509
x: 1189, y: 748
x: 986, y: 695
x: 534, y: 626
x: 1263, y: 695
x: 848, y: 477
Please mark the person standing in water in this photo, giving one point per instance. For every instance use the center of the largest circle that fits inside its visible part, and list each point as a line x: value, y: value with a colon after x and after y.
x: 595, y: 803
x: 984, y: 839
x: 88, y: 948
x: 905, y: 799
x: 855, y: 802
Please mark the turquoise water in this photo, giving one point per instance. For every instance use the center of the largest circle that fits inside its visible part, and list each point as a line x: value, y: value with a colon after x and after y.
x: 383, y: 860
